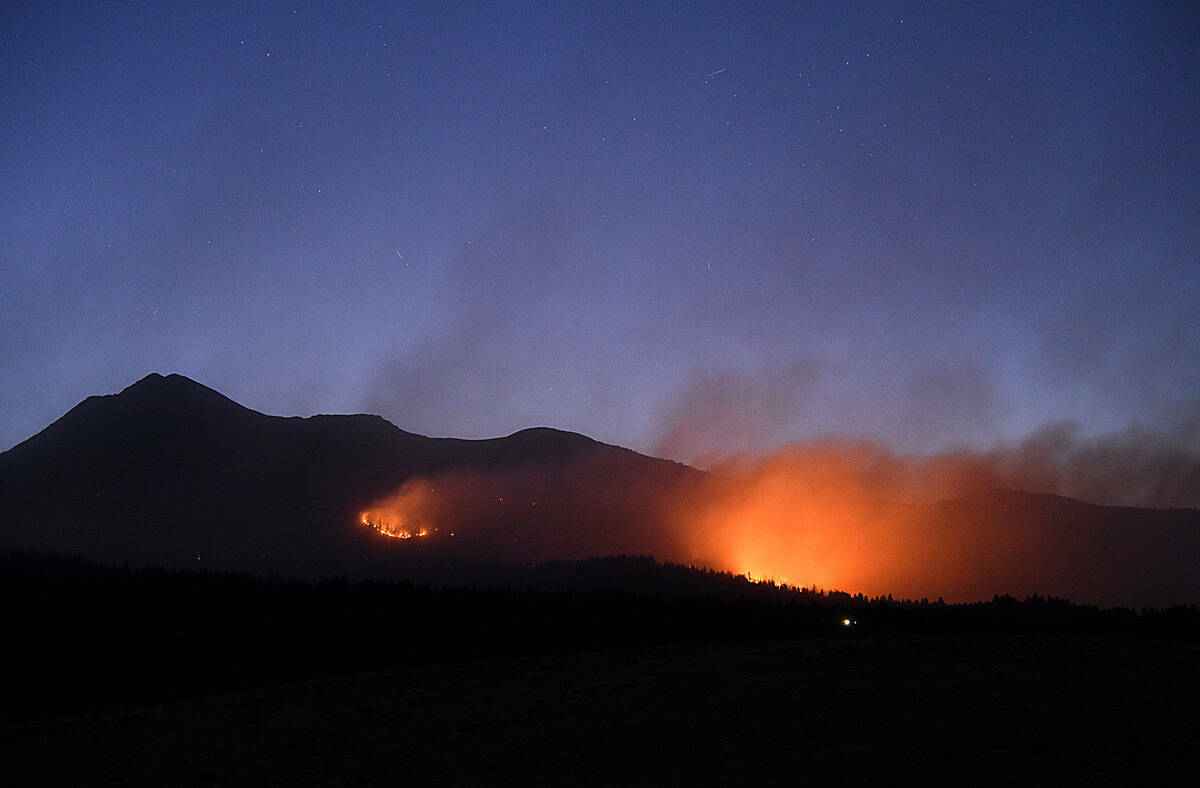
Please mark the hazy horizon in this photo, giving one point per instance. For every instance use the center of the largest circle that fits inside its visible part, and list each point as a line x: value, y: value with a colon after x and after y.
x: 693, y: 231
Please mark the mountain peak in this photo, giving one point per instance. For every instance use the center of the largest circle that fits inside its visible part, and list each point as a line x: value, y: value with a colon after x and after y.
x: 154, y: 400
x: 173, y: 389
x: 170, y: 382
x: 534, y: 434
x: 540, y: 443
x: 170, y: 471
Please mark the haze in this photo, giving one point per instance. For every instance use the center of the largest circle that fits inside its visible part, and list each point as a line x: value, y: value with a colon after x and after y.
x: 695, y: 230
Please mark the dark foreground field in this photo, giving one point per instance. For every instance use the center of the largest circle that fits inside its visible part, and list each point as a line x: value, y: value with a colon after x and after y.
x: 893, y: 708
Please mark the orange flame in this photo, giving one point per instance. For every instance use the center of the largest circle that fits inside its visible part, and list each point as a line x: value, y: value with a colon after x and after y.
x: 390, y: 524
x: 848, y: 517
x: 852, y: 517
x: 791, y: 520
x: 407, y: 514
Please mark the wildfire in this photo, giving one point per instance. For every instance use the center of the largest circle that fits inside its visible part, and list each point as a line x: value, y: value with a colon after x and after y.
x: 389, y: 526
x: 849, y: 517
x: 792, y: 519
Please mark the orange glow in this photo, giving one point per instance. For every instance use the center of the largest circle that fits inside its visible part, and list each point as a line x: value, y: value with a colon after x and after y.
x: 845, y: 517
x: 400, y: 516
x: 388, y: 526
x: 418, y: 510
x: 811, y: 518
x: 831, y: 516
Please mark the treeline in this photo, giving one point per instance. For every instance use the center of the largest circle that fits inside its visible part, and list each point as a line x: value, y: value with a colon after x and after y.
x: 816, y: 608
x: 81, y: 634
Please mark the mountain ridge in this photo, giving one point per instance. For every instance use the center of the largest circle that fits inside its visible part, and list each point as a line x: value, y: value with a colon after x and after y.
x: 168, y: 469
x: 170, y: 472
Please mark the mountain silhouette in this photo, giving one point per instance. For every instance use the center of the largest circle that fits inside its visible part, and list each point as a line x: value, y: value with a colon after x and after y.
x: 1033, y: 542
x: 171, y: 472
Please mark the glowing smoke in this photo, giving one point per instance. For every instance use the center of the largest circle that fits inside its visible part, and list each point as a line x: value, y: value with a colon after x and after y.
x: 860, y: 518
x: 850, y: 516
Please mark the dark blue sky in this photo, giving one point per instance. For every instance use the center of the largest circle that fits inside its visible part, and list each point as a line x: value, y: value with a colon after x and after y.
x: 684, y: 228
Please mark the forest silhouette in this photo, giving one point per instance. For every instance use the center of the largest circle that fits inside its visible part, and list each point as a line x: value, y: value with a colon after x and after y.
x: 168, y: 555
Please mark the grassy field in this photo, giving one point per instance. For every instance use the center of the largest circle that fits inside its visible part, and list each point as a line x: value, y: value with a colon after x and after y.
x: 907, y: 709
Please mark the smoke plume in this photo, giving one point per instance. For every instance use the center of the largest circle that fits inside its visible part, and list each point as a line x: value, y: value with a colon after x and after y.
x: 854, y: 516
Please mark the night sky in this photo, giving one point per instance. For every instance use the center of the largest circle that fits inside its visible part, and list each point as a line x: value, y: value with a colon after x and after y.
x: 683, y: 228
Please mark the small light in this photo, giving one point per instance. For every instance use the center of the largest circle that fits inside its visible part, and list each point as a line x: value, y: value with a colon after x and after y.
x: 846, y: 622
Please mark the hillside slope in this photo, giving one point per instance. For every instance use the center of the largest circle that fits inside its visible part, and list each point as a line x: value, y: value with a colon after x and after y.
x: 171, y: 472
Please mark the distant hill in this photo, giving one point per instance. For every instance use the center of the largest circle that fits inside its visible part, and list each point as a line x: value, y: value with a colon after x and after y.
x: 169, y: 472
x: 1031, y: 543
